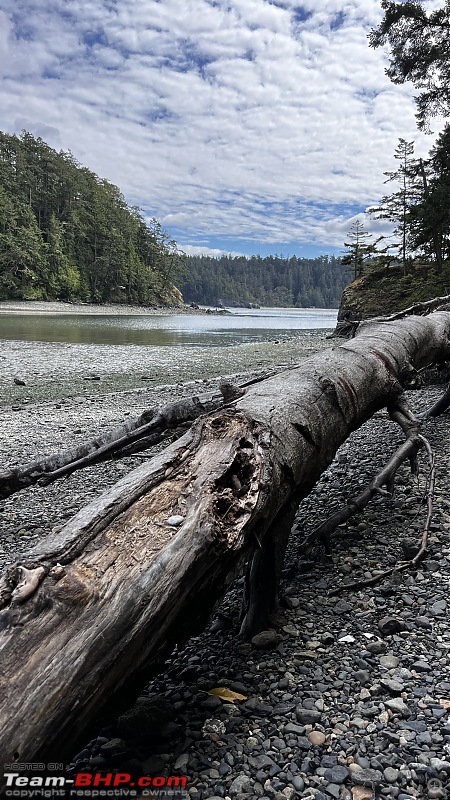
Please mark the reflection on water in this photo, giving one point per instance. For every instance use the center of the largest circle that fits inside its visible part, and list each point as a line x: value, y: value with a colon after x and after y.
x: 168, y: 330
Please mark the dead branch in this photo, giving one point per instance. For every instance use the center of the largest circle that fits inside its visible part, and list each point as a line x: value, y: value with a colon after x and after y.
x: 422, y: 551
x: 131, y: 437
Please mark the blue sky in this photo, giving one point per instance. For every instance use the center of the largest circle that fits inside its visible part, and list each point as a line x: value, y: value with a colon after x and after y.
x: 244, y: 126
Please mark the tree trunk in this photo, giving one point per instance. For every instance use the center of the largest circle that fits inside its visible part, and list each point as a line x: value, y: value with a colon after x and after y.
x: 141, y: 568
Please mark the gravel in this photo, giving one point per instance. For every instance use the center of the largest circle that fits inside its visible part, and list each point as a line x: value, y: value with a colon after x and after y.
x: 339, y: 703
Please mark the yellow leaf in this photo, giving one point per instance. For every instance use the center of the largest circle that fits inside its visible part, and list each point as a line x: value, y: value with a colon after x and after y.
x: 227, y: 694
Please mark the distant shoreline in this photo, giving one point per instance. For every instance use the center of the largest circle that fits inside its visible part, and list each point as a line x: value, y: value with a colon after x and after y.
x: 59, y: 307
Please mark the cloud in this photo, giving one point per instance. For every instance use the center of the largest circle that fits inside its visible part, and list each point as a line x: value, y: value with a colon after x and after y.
x: 239, y: 120
x: 198, y: 250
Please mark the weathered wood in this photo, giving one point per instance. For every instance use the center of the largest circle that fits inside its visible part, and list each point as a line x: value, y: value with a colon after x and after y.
x: 130, y: 437
x: 133, y: 436
x: 121, y: 583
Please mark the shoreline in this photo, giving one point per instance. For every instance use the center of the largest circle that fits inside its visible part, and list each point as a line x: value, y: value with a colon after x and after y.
x: 38, y: 307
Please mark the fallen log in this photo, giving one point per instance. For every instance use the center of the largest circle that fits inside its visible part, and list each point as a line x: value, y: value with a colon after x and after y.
x: 142, y: 567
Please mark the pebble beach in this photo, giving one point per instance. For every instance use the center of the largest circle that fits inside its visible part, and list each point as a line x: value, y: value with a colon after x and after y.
x: 348, y: 696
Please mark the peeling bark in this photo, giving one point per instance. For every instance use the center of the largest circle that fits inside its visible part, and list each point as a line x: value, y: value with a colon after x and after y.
x: 142, y: 567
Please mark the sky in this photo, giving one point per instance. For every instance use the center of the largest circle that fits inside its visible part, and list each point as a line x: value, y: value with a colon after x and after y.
x: 243, y: 126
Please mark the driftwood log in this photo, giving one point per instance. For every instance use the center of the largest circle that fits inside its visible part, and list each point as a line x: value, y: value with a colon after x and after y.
x: 143, y: 566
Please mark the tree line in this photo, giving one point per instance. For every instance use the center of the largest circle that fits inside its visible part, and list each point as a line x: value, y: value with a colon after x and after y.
x: 266, y: 281
x: 67, y: 234
x: 419, y: 205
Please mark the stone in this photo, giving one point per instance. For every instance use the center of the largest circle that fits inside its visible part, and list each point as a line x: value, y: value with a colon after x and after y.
x: 390, y: 774
x: 393, y: 686
x: 266, y: 640
x: 362, y: 793
x: 410, y: 548
x: 307, y: 716
x: 423, y: 622
x: 175, y: 520
x: 368, y: 777
x: 376, y: 647
x: 398, y: 706
x: 421, y: 666
x: 182, y: 762
x: 240, y: 784
x: 317, y: 738
x: 298, y: 783
x: 337, y: 774
x: 362, y: 676
x: 438, y: 608
x: 390, y: 625
x: 391, y: 662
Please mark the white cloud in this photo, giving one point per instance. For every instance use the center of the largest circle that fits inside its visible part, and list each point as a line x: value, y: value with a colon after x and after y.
x: 234, y: 118
x: 198, y: 250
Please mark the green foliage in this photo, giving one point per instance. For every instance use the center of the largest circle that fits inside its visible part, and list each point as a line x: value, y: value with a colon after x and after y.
x: 359, y: 248
x: 386, y: 290
x: 67, y: 234
x: 419, y: 52
x: 269, y: 281
x: 431, y: 216
x: 398, y: 207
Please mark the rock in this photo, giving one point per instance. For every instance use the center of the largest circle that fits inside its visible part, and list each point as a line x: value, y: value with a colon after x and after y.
x: 266, y: 640
x: 298, y: 783
x: 362, y: 793
x: 240, y: 784
x: 438, y: 608
x: 398, y: 706
x: 153, y: 765
x: 181, y: 762
x: 307, y: 716
x: 337, y: 774
x: 317, y: 738
x: 423, y: 622
x: 368, y: 777
x: 393, y: 686
x: 113, y: 747
x: 175, y: 520
x: 390, y: 774
x: 390, y: 625
x: 362, y: 676
x: 421, y: 666
x: 19, y: 382
x: 410, y: 548
x: 440, y: 765
x: 377, y: 647
x: 391, y: 662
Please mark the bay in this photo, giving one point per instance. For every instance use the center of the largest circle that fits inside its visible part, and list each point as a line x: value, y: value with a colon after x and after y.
x: 208, y: 329
x: 59, y: 355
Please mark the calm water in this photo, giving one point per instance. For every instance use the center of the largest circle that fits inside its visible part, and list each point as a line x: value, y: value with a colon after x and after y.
x: 239, y: 327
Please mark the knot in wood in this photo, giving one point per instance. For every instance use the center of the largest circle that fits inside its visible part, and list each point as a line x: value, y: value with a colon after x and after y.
x: 230, y: 391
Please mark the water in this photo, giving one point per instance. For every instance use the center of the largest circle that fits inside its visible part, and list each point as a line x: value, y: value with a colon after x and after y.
x: 239, y: 327
x: 64, y: 355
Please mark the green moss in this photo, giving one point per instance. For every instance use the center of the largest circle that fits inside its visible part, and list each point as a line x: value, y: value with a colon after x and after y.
x: 385, y: 290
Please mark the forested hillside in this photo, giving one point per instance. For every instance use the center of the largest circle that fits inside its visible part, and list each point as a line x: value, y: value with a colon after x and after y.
x: 67, y: 234
x: 269, y: 281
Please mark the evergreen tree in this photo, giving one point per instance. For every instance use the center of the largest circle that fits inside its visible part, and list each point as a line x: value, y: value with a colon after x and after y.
x: 66, y: 233
x: 419, y: 52
x: 359, y: 248
x: 397, y: 206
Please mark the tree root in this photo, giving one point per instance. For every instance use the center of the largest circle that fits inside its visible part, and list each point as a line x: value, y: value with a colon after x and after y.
x: 399, y: 412
x: 421, y: 553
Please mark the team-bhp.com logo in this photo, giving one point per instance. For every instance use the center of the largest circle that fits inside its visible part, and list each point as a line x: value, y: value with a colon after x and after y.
x: 86, y: 784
